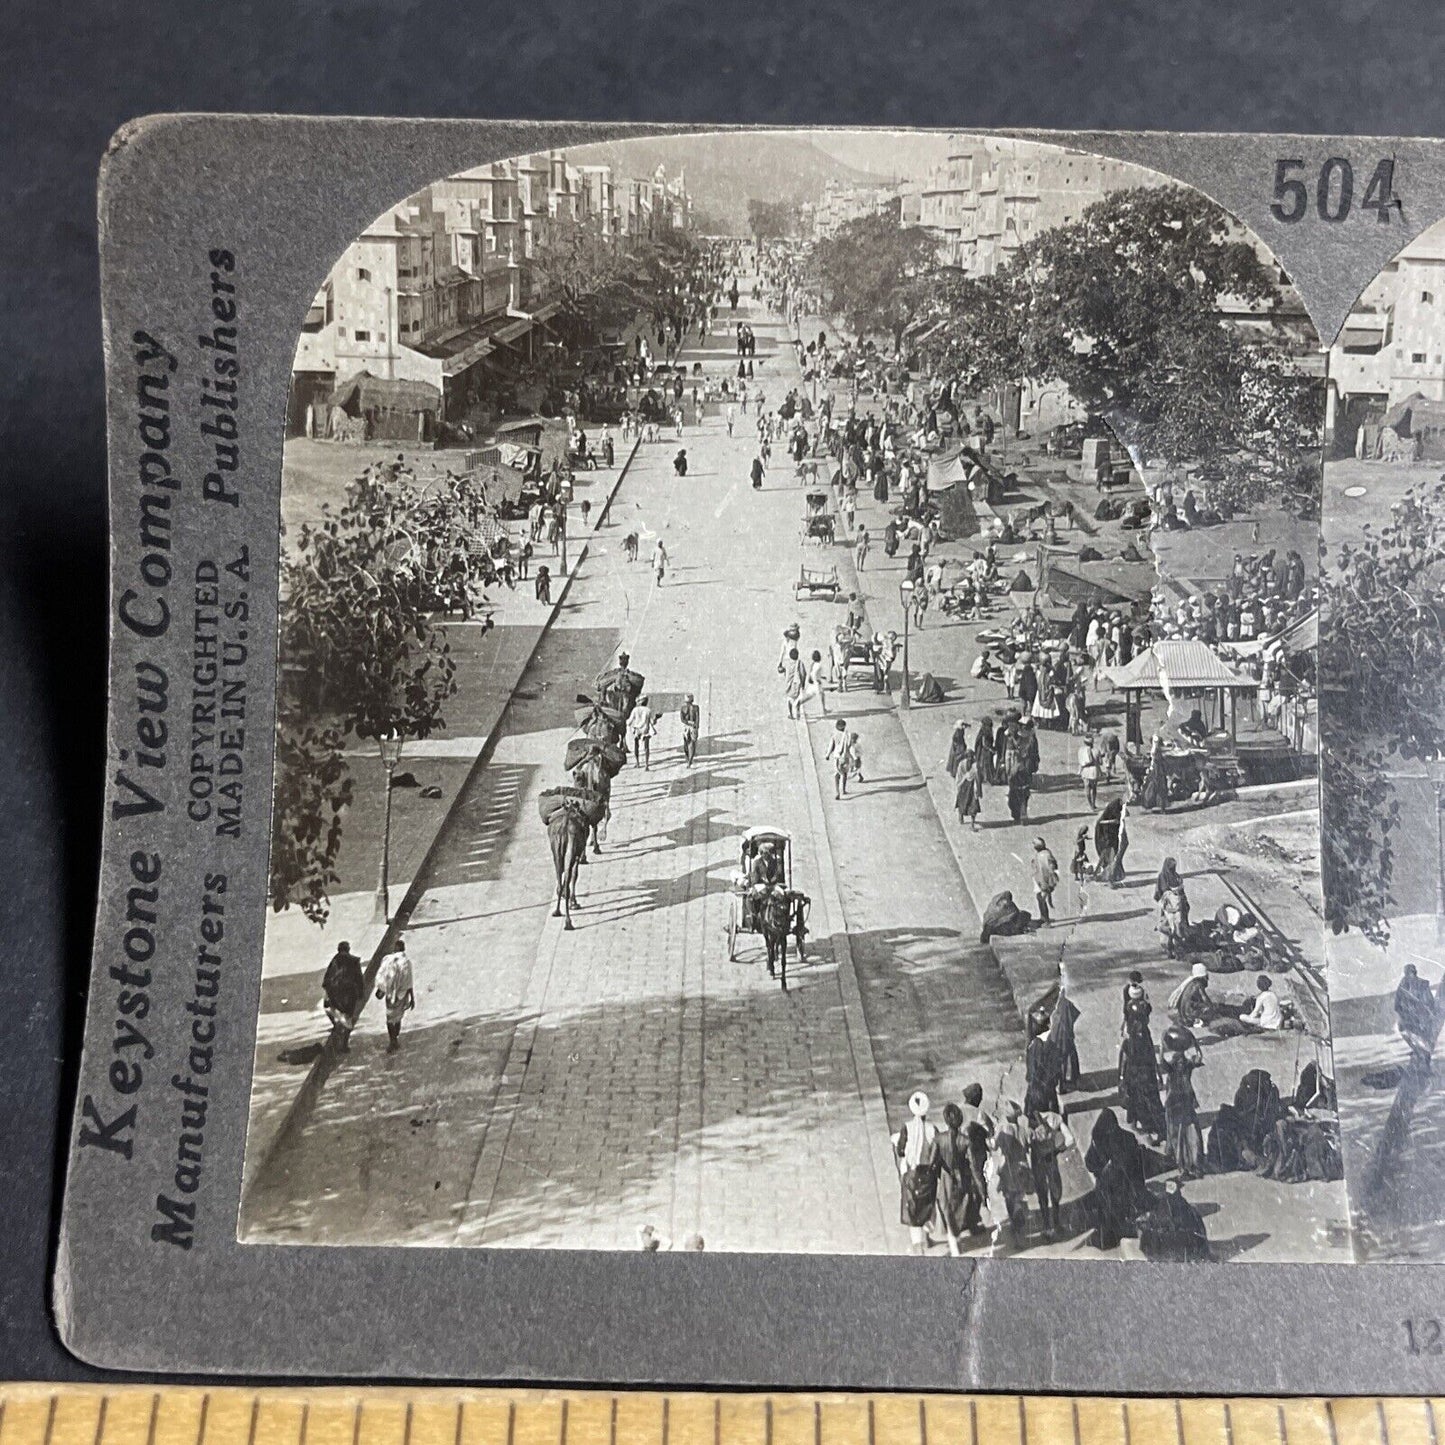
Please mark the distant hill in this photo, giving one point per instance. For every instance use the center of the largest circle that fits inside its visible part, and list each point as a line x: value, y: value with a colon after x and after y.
x: 725, y: 171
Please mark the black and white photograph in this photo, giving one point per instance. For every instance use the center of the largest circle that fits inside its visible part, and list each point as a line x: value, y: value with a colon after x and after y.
x: 803, y: 725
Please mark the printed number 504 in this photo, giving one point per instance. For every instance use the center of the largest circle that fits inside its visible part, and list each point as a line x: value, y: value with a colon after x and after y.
x: 1334, y: 191
x: 1424, y: 1337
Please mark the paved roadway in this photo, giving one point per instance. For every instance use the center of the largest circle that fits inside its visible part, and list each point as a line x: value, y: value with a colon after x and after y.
x: 566, y: 1089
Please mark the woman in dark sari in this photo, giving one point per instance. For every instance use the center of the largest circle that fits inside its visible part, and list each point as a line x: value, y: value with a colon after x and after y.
x: 1120, y: 1195
x: 983, y: 752
x: 1139, y: 1077
x: 1028, y: 685
x: 1111, y: 841
x: 951, y: 1151
x: 957, y: 747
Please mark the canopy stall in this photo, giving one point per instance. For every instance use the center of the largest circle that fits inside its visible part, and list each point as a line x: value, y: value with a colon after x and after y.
x: 948, y: 491
x: 1180, y: 666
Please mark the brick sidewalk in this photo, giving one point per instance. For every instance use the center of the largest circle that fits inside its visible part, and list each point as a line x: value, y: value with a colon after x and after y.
x: 291, y: 1028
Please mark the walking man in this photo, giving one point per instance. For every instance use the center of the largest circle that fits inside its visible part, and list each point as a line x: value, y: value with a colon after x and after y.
x: 1046, y: 877
x: 860, y: 549
x: 642, y: 724
x: 838, y: 755
x: 1089, y: 771
x: 396, y: 990
x: 342, y: 989
x: 691, y: 726
x: 659, y: 561
x: 732, y: 416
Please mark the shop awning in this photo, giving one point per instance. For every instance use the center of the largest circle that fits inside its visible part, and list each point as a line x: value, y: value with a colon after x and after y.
x: 1179, y: 665
x: 1363, y: 332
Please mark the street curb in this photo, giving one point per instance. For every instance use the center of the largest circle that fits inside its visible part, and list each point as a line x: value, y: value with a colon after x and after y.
x: 305, y: 1097
x: 860, y: 1041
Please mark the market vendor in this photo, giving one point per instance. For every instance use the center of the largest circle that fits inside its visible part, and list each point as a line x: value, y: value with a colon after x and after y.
x: 1194, y: 729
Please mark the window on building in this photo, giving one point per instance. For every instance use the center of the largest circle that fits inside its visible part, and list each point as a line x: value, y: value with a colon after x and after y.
x: 362, y: 274
x: 341, y: 332
x: 363, y: 336
x: 1427, y: 298
x: 1418, y: 358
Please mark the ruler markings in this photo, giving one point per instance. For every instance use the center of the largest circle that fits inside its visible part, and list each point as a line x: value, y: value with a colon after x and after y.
x: 30, y: 1415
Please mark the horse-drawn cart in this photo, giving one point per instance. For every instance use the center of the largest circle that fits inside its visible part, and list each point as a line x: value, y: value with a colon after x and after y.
x: 819, y: 524
x: 764, y: 900
x: 813, y: 580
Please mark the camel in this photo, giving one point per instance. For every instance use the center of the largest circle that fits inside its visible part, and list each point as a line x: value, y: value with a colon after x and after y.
x: 567, y: 834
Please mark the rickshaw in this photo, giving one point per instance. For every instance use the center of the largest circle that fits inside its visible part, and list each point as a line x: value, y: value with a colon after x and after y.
x: 818, y: 522
x: 741, y: 914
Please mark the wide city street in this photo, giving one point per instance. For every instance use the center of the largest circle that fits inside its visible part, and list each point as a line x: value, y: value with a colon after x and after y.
x: 570, y: 1089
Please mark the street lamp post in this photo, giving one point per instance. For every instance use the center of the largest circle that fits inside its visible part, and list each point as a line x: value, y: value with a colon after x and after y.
x: 905, y: 596
x: 390, y: 748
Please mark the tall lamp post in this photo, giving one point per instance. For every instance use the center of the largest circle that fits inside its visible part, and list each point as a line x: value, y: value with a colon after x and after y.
x: 390, y: 747
x: 905, y: 596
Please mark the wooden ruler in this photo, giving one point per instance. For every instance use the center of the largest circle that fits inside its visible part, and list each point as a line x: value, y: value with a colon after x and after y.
x: 146, y: 1415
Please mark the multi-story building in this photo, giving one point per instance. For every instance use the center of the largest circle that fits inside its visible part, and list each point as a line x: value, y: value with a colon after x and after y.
x: 842, y: 202
x: 990, y: 196
x: 443, y: 289
x: 1392, y: 345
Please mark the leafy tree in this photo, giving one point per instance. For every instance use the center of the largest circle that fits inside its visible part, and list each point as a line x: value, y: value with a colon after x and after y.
x: 582, y: 268
x: 1124, y: 308
x: 1382, y: 665
x: 877, y: 276
x: 360, y: 657
x: 773, y: 220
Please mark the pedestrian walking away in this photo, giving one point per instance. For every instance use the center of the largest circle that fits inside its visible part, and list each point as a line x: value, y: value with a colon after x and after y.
x: 342, y: 989
x: 642, y: 724
x: 860, y: 549
x: 816, y: 685
x: 915, y: 1149
x: 758, y: 469
x: 396, y: 989
x: 659, y: 561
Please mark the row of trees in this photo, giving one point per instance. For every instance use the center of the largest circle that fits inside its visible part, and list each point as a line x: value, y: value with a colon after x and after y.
x: 1382, y: 704
x: 1124, y: 308
x: 361, y: 659
x: 603, y: 284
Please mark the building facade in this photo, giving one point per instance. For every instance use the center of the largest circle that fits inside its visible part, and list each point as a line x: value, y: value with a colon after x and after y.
x: 1392, y: 346
x: 444, y: 287
x: 990, y: 196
